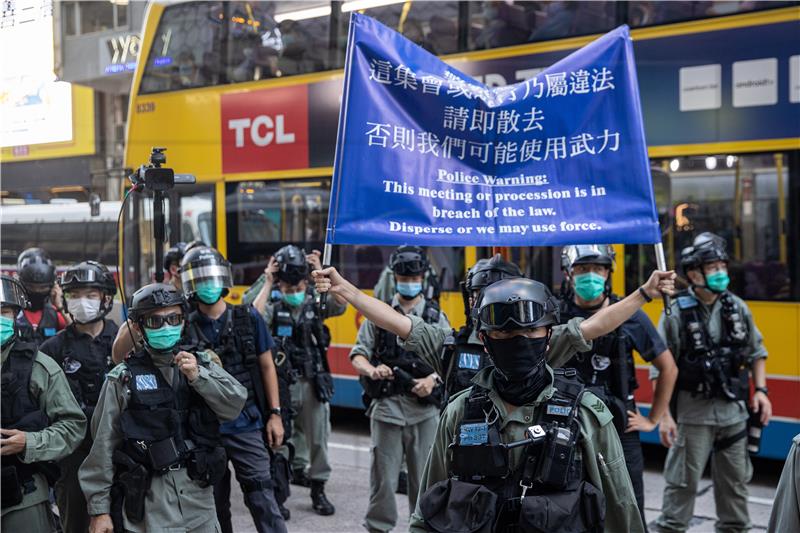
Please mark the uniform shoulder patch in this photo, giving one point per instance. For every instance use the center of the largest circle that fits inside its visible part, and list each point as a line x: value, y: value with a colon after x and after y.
x: 118, y: 371
x: 595, y: 405
x: 687, y: 301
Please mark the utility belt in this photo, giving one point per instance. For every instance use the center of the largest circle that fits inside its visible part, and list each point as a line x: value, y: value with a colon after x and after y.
x: 305, y: 366
x: 403, y: 382
x: 715, y: 373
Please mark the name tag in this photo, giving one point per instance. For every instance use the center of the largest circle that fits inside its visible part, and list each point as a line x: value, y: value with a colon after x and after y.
x: 559, y: 410
x: 473, y: 434
x: 146, y: 382
x: 470, y: 361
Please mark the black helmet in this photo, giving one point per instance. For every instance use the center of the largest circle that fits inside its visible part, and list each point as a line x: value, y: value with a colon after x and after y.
x: 153, y: 297
x: 34, y: 266
x: 408, y: 261
x: 292, y: 264
x: 203, y: 263
x: 516, y: 303
x: 12, y: 293
x: 706, y: 248
x: 89, y: 274
x: 487, y: 271
x: 174, y: 254
x: 581, y: 254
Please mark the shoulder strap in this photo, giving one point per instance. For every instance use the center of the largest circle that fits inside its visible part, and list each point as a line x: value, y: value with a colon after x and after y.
x: 478, y: 405
x: 244, y: 333
x: 432, y: 312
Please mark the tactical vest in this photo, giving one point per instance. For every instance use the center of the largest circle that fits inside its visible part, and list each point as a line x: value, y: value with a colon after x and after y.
x: 236, y: 349
x: 462, y: 360
x: 388, y: 352
x: 548, y: 490
x: 86, y: 369
x: 608, y: 368
x: 708, y: 368
x: 20, y: 410
x: 304, y: 341
x: 47, y: 328
x: 163, y: 425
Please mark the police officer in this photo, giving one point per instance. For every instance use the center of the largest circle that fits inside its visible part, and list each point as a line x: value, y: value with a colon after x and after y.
x: 463, y: 355
x: 156, y: 450
x: 785, y: 515
x: 41, y: 422
x: 608, y: 369
x: 237, y: 334
x: 526, y: 374
x: 43, y: 318
x: 716, y: 345
x: 298, y: 328
x: 172, y: 263
x: 83, y: 350
x: 403, y: 392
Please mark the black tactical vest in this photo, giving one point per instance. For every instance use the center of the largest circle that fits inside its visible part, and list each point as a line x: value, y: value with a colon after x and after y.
x: 236, y: 348
x: 548, y: 491
x: 305, y: 340
x: 713, y: 369
x: 20, y: 410
x: 86, y: 363
x: 47, y: 328
x: 462, y: 360
x: 163, y: 425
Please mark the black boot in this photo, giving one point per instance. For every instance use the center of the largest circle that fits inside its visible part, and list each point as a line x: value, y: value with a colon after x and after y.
x: 319, y: 501
x: 300, y: 478
x: 402, y: 483
x: 285, y: 513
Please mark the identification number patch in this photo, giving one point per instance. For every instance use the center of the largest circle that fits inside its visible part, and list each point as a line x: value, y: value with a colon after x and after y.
x: 474, y: 434
x: 470, y: 361
x: 146, y: 382
x: 284, y: 331
x: 559, y: 410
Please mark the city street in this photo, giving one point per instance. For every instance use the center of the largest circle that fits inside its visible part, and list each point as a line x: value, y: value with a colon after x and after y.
x: 349, y: 488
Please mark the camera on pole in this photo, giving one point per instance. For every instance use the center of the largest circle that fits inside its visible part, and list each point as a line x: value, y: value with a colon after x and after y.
x: 156, y: 179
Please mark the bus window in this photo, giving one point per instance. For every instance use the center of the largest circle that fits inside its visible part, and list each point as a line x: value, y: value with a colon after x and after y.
x: 265, y: 215
x: 649, y: 13
x: 197, y: 216
x: 186, y: 51
x: 744, y: 199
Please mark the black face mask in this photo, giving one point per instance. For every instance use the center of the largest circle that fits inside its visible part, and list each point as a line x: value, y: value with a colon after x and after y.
x: 37, y: 300
x: 520, y: 374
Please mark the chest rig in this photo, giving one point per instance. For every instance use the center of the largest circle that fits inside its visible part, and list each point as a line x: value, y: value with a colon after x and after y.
x: 547, y: 490
x: 462, y: 361
x: 305, y: 341
x: 607, y: 369
x: 405, y: 365
x: 48, y: 326
x: 236, y: 348
x: 708, y: 368
x: 86, y: 362
x: 21, y: 410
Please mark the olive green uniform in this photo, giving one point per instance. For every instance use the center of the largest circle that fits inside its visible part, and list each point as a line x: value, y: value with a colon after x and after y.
x: 398, y: 424
x: 785, y: 514
x: 600, y: 450
x: 49, y: 386
x: 174, y: 502
x: 311, y: 427
x: 702, y: 422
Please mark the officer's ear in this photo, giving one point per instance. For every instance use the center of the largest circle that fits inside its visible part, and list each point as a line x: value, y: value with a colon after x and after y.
x: 482, y: 337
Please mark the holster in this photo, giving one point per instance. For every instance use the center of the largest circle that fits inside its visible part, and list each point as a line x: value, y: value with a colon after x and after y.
x: 281, y: 475
x: 134, y: 481
x: 207, y: 466
x: 323, y: 386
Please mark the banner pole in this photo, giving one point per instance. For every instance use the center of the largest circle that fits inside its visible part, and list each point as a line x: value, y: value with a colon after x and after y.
x: 326, y: 262
x: 662, y: 265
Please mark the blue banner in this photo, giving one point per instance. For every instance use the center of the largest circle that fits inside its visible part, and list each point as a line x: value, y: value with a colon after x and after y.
x: 426, y: 154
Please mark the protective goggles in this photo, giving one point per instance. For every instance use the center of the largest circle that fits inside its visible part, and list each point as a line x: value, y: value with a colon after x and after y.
x: 81, y: 276
x: 158, y: 321
x: 413, y: 267
x: 511, y: 315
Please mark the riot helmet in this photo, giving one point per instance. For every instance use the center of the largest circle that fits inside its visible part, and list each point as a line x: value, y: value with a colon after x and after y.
x: 37, y: 274
x: 205, y: 274
x: 12, y: 293
x: 408, y: 261
x: 516, y: 303
x: 488, y: 271
x: 582, y: 254
x: 174, y: 255
x: 152, y: 298
x: 292, y: 264
x: 89, y: 275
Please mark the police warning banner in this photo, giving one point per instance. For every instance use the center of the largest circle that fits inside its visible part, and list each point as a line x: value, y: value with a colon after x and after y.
x: 429, y: 155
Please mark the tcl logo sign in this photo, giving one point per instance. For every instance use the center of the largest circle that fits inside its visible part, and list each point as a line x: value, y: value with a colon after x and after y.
x: 265, y: 130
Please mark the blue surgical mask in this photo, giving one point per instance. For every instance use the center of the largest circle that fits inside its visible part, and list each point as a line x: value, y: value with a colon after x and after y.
x: 163, y: 338
x: 6, y: 329
x: 409, y: 289
x: 294, y: 298
x: 209, y: 292
x: 589, y: 286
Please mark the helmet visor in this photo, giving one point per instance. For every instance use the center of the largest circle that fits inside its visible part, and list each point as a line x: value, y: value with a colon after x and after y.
x: 12, y: 294
x: 192, y: 276
x: 511, y: 315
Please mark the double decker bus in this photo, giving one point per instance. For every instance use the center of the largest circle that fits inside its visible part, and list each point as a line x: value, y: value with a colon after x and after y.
x: 246, y: 96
